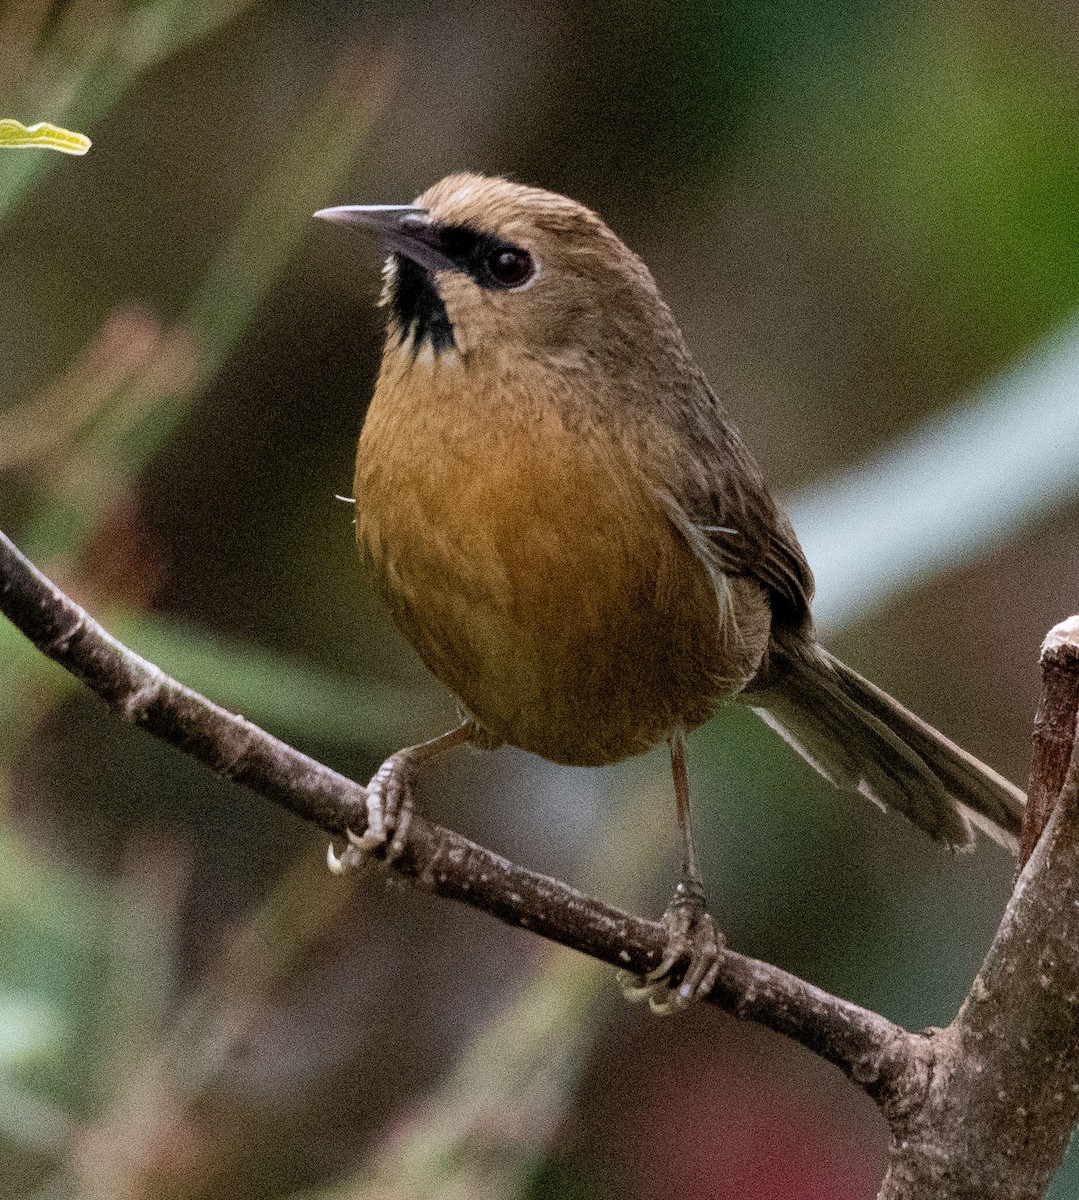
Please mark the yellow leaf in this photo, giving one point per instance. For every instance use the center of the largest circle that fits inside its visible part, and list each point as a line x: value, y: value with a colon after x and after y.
x: 42, y: 135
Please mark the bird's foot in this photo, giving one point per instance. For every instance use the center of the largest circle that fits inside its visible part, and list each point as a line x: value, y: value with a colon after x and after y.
x: 691, y: 960
x: 389, y: 811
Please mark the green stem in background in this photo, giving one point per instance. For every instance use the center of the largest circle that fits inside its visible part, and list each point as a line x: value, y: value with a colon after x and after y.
x: 86, y: 62
x: 484, y: 1129
x: 171, y: 1067
x: 127, y: 399
x: 134, y: 425
x: 143, y: 401
x: 321, y: 149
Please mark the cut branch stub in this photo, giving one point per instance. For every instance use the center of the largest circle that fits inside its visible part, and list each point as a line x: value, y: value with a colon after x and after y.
x: 1054, y: 731
x: 1004, y: 1095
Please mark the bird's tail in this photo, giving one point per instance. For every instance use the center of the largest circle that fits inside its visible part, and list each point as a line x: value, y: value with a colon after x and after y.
x: 862, y: 740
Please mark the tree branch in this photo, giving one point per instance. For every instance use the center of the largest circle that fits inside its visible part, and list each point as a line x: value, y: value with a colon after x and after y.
x: 891, y: 1064
x: 981, y: 1109
x: 1004, y: 1093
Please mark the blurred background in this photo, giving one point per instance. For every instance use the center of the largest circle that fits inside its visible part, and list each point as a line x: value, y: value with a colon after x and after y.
x: 864, y: 216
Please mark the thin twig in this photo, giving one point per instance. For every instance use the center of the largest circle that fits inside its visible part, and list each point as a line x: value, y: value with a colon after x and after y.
x: 891, y: 1064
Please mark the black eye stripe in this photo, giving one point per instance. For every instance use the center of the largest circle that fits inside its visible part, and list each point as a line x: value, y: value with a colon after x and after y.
x: 419, y: 312
x: 471, y: 251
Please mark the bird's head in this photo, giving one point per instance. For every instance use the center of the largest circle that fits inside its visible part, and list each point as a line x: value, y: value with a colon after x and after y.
x: 481, y: 265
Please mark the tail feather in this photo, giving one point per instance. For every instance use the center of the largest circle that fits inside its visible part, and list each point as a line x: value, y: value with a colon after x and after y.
x: 862, y: 740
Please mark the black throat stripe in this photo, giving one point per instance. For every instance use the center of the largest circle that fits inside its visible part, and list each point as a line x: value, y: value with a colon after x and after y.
x: 417, y: 308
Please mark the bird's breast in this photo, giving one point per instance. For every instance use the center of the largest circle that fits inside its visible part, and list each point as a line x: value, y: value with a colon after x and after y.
x: 536, y: 573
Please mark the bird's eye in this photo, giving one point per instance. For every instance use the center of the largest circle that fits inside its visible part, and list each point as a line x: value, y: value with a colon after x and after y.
x: 510, y: 267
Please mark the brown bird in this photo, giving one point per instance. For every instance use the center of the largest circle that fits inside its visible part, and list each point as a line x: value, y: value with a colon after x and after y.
x: 569, y: 529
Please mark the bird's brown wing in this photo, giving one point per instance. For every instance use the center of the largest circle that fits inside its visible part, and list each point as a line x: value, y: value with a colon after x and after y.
x: 724, y: 494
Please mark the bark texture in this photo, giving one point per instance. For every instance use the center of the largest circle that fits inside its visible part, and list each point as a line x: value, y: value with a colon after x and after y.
x: 982, y: 1109
x: 878, y: 1054
x: 1004, y: 1093
x: 1054, y: 732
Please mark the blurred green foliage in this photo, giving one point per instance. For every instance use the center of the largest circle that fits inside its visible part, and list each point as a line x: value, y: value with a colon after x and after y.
x: 961, y: 146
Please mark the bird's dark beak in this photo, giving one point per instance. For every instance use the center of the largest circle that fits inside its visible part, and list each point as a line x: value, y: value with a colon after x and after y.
x: 404, y: 228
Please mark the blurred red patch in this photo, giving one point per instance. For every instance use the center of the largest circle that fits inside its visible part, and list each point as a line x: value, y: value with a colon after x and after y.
x: 740, y: 1135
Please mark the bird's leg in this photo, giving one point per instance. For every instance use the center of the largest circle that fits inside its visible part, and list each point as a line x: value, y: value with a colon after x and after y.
x: 389, y: 802
x: 692, y: 937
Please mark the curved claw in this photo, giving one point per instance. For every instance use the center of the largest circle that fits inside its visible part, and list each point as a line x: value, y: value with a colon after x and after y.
x: 389, y: 803
x: 354, y: 855
x: 389, y: 810
x: 635, y: 988
x: 692, y: 938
